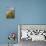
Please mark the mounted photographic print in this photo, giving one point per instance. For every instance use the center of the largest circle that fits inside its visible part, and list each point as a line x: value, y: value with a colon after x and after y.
x: 10, y: 13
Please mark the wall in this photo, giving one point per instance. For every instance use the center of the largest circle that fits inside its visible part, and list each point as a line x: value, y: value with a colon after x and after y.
x: 27, y: 12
